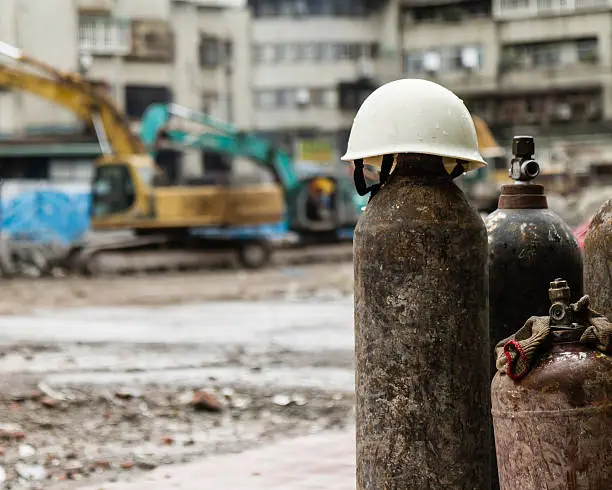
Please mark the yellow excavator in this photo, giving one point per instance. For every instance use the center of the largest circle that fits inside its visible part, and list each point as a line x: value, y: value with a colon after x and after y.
x: 129, y: 192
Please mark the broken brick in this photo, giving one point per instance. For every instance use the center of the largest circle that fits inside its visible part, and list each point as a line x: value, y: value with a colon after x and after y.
x: 205, y: 401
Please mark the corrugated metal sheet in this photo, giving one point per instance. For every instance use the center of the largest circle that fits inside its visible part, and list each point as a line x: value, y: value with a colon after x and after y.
x: 49, y: 149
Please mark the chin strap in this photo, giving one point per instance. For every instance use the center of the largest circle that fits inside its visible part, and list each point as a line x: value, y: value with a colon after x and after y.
x: 458, y: 170
x: 359, y: 178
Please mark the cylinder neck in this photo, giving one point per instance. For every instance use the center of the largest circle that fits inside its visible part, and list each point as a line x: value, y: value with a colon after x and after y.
x: 522, y: 196
x: 419, y: 165
x: 568, y: 335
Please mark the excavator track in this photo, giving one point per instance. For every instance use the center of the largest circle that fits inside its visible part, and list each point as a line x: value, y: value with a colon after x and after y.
x: 114, y: 262
x: 154, y: 255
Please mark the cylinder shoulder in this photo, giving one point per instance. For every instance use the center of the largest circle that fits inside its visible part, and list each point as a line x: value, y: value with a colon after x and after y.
x: 567, y: 377
x: 404, y: 201
x: 600, y: 228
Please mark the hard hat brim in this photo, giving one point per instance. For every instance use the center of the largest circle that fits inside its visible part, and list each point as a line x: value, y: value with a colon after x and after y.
x: 473, y: 162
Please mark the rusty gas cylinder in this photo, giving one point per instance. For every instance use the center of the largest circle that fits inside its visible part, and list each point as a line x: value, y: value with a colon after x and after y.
x: 598, y: 260
x: 529, y: 246
x: 553, y: 425
x: 421, y: 334
x: 421, y: 320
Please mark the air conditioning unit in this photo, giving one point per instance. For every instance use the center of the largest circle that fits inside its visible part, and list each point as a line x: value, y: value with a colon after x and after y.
x: 469, y: 58
x: 563, y: 111
x: 302, y: 97
x: 152, y: 40
x: 432, y: 62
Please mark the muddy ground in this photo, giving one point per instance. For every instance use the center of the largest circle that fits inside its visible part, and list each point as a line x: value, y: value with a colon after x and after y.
x: 104, y: 379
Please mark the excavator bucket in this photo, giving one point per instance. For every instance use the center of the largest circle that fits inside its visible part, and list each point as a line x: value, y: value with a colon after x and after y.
x: 487, y: 145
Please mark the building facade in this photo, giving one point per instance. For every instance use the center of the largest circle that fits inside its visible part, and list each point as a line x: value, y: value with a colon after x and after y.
x: 192, y: 52
x: 525, y: 66
x: 313, y: 64
x: 297, y: 70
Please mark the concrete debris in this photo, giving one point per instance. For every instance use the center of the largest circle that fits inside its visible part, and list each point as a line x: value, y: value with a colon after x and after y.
x: 31, y: 472
x: 128, y: 393
x: 50, y: 392
x: 26, y: 451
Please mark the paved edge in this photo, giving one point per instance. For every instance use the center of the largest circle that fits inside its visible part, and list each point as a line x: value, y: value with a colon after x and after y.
x: 316, y: 462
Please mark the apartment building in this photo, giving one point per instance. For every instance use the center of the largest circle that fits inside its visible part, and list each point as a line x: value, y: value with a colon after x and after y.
x: 314, y: 61
x: 297, y: 70
x: 192, y: 52
x: 541, y: 67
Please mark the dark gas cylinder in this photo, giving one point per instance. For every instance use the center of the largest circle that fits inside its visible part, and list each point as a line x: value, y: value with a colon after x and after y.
x: 529, y: 246
x: 421, y: 335
x: 598, y: 260
x: 553, y: 426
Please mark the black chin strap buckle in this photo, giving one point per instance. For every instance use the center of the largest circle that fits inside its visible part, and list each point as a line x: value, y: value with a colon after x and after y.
x: 359, y: 177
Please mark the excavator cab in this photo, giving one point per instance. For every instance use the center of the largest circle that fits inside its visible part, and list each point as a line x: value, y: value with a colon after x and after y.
x: 122, y: 189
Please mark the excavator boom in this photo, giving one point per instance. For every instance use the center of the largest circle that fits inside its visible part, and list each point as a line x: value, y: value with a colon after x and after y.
x: 81, y: 98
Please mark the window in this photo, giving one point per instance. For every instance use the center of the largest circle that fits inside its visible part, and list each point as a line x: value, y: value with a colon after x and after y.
x: 330, y: 98
x: 267, y: 53
x: 112, y: 190
x: 316, y: 97
x: 209, y: 101
x: 587, y: 50
x: 265, y: 99
x: 300, y: 51
x: 547, y: 55
x: 285, y: 98
x: 210, y: 55
x: 341, y: 51
x: 453, y: 59
x: 281, y: 52
x: 290, y: 8
x: 413, y: 62
x: 551, y: 54
x: 139, y: 97
x: 324, y: 51
x: 103, y: 34
x: 258, y: 53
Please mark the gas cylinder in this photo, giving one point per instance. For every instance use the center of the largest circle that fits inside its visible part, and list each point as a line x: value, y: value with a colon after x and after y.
x: 421, y: 333
x: 598, y: 260
x: 529, y: 245
x: 551, y: 404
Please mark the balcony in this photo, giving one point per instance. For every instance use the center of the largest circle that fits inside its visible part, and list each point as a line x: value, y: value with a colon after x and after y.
x: 105, y: 35
x: 513, y: 9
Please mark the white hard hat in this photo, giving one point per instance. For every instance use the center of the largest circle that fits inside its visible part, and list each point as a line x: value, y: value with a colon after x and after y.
x: 414, y: 116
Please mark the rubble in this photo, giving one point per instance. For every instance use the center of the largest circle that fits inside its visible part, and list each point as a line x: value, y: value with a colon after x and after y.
x: 205, y: 401
x: 31, y: 472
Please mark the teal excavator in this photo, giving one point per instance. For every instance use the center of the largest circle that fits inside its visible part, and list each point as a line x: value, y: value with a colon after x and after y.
x: 322, y: 206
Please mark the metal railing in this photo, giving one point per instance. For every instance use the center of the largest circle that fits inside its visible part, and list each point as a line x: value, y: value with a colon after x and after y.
x: 507, y: 9
x: 105, y: 35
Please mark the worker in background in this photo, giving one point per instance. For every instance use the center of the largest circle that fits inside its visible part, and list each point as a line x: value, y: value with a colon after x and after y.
x: 320, y: 199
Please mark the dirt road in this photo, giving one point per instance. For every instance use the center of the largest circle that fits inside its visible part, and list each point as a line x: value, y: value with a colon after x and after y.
x: 24, y: 295
x: 104, y: 379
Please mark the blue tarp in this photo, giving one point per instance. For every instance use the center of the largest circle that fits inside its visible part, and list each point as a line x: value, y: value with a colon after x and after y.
x: 46, y: 216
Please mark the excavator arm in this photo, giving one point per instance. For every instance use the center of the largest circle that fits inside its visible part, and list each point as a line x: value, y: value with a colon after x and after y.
x: 77, y: 95
x: 223, y: 138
